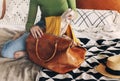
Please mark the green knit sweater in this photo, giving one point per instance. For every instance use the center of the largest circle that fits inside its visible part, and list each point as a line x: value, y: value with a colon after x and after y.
x: 48, y: 8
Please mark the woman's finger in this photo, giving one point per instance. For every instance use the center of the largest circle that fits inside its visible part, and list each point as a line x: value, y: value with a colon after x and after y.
x: 32, y: 32
x: 38, y: 33
x: 41, y: 32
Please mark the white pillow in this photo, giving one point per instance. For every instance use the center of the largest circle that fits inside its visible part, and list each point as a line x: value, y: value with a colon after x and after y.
x: 90, y: 18
x: 16, y: 15
x: 97, y: 24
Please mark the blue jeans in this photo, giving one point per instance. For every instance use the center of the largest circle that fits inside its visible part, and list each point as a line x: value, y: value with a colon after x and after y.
x: 12, y: 46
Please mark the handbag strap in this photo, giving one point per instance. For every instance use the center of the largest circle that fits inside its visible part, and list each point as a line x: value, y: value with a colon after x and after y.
x: 37, y: 54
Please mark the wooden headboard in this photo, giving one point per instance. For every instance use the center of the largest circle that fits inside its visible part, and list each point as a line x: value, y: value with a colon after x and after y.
x: 99, y: 4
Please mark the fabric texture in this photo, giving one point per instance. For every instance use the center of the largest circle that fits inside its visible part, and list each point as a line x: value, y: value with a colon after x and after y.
x: 11, y: 46
x: 53, y: 8
x: 55, y: 27
x: 97, y: 52
x: 21, y: 69
x: 100, y: 45
x: 18, y: 70
x: 93, y: 32
x: 5, y: 35
x: 90, y: 18
x: 16, y: 14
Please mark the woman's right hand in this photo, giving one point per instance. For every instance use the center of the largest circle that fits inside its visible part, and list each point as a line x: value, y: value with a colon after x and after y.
x: 36, y: 31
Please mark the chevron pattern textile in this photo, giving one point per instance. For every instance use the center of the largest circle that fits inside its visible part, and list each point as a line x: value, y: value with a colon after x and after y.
x: 96, y: 54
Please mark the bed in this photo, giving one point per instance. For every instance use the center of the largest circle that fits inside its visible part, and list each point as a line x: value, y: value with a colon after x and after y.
x: 12, y: 24
x: 97, y: 27
x: 100, y: 43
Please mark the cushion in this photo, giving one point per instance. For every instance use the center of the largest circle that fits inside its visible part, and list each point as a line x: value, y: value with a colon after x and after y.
x: 97, y: 24
x: 99, y: 4
x: 15, y: 17
x: 89, y: 18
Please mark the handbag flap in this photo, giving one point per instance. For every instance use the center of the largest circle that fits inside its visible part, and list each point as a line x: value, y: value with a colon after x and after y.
x: 48, y: 45
x: 45, y: 48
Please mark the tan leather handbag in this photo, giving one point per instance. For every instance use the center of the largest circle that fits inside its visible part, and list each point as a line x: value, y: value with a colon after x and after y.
x: 55, y: 53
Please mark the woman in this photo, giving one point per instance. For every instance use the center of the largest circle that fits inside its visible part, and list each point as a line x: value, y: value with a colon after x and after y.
x: 16, y: 48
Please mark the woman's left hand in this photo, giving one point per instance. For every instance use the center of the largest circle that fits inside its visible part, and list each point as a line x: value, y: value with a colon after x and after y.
x: 36, y: 31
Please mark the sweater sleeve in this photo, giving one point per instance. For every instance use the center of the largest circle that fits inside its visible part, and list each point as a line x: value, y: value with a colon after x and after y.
x: 33, y: 6
x: 72, y: 4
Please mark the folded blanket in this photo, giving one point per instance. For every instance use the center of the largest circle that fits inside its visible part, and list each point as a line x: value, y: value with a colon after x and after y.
x: 17, y: 70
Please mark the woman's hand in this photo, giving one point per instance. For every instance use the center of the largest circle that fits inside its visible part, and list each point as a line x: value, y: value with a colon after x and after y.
x: 36, y: 31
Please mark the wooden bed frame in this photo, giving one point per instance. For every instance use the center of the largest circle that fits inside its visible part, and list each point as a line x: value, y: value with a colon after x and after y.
x: 99, y: 4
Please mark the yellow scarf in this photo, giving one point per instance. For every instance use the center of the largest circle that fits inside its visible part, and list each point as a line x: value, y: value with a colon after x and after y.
x: 53, y: 25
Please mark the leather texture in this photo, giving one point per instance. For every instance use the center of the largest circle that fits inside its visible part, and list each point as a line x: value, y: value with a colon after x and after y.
x: 55, y: 53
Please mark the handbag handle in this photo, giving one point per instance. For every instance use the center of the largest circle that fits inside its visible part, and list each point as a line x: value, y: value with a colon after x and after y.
x: 37, y: 54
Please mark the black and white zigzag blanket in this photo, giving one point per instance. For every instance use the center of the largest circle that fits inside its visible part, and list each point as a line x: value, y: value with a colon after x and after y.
x: 96, y: 54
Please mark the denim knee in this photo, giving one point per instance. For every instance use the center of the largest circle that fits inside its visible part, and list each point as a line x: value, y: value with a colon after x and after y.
x: 11, y: 46
x: 6, y: 52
